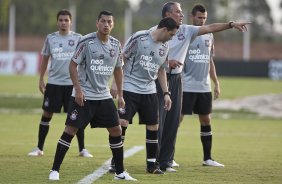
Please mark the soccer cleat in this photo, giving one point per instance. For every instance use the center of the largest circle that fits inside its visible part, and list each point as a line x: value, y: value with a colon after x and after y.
x: 112, y: 168
x: 154, y: 170
x: 85, y: 153
x: 174, y: 164
x: 124, y: 176
x: 213, y: 163
x: 54, y: 175
x: 169, y: 169
x: 35, y: 152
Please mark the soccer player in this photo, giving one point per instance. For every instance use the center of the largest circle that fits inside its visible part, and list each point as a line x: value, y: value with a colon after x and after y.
x: 145, y: 56
x: 198, y: 69
x: 169, y: 120
x: 59, y: 48
x: 96, y: 58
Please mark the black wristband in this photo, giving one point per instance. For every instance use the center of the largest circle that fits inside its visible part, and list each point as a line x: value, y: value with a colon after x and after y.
x: 167, y: 93
x: 230, y: 24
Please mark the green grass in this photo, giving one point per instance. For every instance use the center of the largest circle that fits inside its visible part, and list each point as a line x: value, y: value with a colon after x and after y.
x: 249, y: 146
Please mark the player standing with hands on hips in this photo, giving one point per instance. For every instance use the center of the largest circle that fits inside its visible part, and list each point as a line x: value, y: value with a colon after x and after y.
x: 96, y: 59
x: 178, y: 46
x: 59, y: 47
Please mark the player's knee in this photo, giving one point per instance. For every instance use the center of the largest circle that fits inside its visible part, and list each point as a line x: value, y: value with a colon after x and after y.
x: 152, y: 127
x: 71, y: 130
x: 123, y: 122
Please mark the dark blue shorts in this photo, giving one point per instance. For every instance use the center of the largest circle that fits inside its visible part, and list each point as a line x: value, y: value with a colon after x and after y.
x: 146, y: 105
x: 55, y: 97
x: 198, y: 103
x: 99, y: 113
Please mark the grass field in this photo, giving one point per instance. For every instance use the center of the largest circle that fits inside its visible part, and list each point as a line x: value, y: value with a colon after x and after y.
x: 250, y: 148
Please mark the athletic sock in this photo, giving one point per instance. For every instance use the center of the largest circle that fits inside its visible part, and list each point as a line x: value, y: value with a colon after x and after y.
x: 80, y: 139
x: 206, y: 138
x: 62, y: 148
x: 116, y: 146
x: 43, y: 131
x: 123, y: 129
x: 151, y: 147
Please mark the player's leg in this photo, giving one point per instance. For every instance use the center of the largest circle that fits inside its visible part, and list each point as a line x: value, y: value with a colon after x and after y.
x: 203, y: 109
x: 170, y: 125
x: 62, y: 148
x: 149, y: 103
x: 77, y: 117
x: 126, y: 115
x: 52, y: 103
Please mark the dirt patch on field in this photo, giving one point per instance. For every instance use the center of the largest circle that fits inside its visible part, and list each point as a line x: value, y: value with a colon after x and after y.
x: 269, y: 105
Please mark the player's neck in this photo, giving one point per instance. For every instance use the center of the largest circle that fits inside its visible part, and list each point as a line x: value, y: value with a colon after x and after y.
x: 155, y: 35
x: 64, y: 32
x: 102, y: 37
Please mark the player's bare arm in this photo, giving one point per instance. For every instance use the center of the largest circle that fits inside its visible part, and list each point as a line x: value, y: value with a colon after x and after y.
x: 163, y: 83
x: 79, y: 96
x: 118, y: 75
x: 213, y: 76
x: 216, y: 27
x: 43, y: 69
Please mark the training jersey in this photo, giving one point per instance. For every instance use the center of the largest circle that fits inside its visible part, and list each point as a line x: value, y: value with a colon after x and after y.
x: 96, y: 63
x: 60, y: 48
x: 196, y: 72
x: 179, y: 44
x: 143, y: 59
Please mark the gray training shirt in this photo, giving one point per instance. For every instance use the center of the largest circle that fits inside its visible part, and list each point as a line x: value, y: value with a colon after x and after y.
x: 96, y: 63
x: 60, y: 48
x: 179, y: 44
x: 196, y: 76
x: 143, y: 58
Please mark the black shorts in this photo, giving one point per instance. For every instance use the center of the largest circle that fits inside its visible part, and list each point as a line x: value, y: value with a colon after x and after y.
x: 55, y: 97
x: 145, y: 104
x: 197, y: 103
x: 99, y: 113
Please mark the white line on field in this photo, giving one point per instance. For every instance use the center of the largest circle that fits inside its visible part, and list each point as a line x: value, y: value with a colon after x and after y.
x: 105, y: 167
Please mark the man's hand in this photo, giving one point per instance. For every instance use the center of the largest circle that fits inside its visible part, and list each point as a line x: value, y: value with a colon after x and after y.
x: 216, y: 92
x: 42, y: 86
x: 241, y: 26
x: 79, y: 97
x: 174, y: 64
x: 167, y: 102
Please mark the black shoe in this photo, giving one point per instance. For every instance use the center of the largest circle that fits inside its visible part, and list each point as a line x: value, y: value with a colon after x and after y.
x: 154, y: 170
x: 112, y: 168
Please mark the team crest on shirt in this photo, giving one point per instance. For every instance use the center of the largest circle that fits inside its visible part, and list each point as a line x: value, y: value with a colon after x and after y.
x: 102, y: 56
x: 71, y: 43
x: 60, y: 45
x: 207, y: 43
x: 180, y: 36
x: 73, y: 115
x: 46, y: 102
x: 161, y: 52
x: 112, y: 52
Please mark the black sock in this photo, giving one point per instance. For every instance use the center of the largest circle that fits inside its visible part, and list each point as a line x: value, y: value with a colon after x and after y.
x: 80, y: 139
x: 123, y: 129
x: 151, y: 147
x: 206, y: 138
x: 43, y: 131
x: 116, y: 146
x: 62, y: 148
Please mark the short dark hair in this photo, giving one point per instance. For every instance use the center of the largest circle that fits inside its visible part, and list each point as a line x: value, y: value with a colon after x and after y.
x: 63, y: 12
x: 198, y: 7
x: 169, y: 23
x: 167, y: 7
x: 108, y: 13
